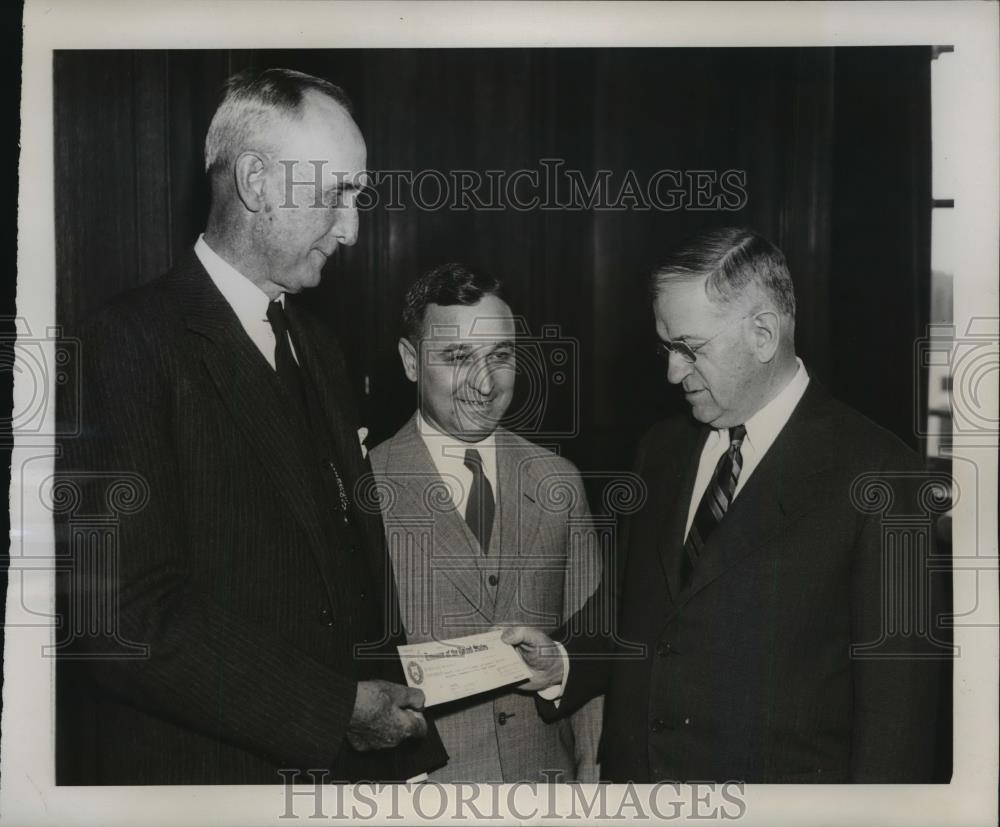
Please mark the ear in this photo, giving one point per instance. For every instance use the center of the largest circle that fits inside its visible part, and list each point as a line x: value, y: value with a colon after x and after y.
x: 250, y: 170
x: 766, y: 332
x: 408, y: 356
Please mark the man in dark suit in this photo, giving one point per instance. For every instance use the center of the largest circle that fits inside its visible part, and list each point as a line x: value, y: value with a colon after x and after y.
x: 236, y: 623
x: 512, y: 542
x: 761, y: 588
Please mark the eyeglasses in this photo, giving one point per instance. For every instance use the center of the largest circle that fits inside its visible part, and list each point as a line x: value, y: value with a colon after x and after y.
x: 690, y: 354
x: 682, y: 349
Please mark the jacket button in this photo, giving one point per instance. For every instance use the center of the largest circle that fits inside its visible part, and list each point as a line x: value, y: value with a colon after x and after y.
x: 326, y: 617
x: 503, y: 716
x: 687, y: 722
x: 493, y: 580
x: 658, y: 725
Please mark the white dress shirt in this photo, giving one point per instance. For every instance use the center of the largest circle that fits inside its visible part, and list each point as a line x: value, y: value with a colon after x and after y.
x: 248, y: 301
x: 762, y: 429
x: 448, y: 455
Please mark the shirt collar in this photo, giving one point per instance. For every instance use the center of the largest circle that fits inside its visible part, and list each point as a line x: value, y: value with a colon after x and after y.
x: 765, y: 425
x: 434, y: 437
x: 248, y: 301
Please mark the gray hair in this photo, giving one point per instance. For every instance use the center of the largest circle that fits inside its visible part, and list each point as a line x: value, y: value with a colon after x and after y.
x: 731, y: 260
x: 252, y: 101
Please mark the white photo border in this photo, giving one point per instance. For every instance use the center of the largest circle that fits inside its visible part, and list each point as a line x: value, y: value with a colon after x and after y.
x: 28, y: 795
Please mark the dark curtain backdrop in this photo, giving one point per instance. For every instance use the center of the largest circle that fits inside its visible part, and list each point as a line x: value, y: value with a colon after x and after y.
x: 835, y: 144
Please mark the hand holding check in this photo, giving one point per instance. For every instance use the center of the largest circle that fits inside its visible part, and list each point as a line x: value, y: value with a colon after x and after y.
x: 448, y: 670
x: 384, y: 715
x: 539, y: 653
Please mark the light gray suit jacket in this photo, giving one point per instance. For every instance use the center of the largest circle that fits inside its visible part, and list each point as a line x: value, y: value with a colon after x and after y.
x: 542, y: 563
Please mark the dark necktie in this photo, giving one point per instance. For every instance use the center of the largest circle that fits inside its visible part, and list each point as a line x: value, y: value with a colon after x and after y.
x: 481, y: 505
x: 284, y: 362
x: 291, y: 377
x: 714, y: 503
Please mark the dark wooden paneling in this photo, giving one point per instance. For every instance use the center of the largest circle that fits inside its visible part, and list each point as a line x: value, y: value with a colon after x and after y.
x: 804, y: 217
x: 394, y: 88
x: 833, y: 143
x: 152, y: 180
x: 880, y: 273
x: 195, y: 80
x: 95, y: 174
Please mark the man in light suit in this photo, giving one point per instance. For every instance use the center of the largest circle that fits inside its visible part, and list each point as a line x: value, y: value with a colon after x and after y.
x: 484, y: 527
x: 250, y: 597
x: 759, y: 579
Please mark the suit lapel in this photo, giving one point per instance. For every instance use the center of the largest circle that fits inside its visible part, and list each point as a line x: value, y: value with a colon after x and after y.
x: 518, y: 518
x: 324, y: 369
x: 251, y: 392
x: 775, y: 495
x: 416, y: 484
x: 671, y: 489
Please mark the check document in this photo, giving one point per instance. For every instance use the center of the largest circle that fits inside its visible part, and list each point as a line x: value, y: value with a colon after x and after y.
x: 447, y: 670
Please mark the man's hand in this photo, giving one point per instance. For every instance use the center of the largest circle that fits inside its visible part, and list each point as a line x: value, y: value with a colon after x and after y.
x: 540, y: 655
x: 385, y: 714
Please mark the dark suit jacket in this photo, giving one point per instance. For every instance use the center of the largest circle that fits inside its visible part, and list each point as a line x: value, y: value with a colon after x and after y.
x: 748, y: 674
x: 223, y: 554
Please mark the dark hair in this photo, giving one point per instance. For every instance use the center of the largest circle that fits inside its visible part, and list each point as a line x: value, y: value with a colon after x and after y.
x: 446, y: 284
x: 730, y: 260
x: 252, y: 98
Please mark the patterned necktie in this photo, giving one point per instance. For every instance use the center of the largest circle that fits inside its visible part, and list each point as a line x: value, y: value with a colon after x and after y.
x: 714, y: 503
x: 480, y: 506
x: 284, y: 362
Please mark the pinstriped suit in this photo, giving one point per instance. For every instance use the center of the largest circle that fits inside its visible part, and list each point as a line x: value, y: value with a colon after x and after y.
x: 238, y: 573
x: 539, y: 569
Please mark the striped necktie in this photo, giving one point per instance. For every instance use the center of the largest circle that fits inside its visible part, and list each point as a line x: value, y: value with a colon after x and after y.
x: 714, y: 503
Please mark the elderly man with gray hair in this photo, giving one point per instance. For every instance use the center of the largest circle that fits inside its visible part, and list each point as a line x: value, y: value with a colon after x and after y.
x: 772, y: 628
x: 253, y: 587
